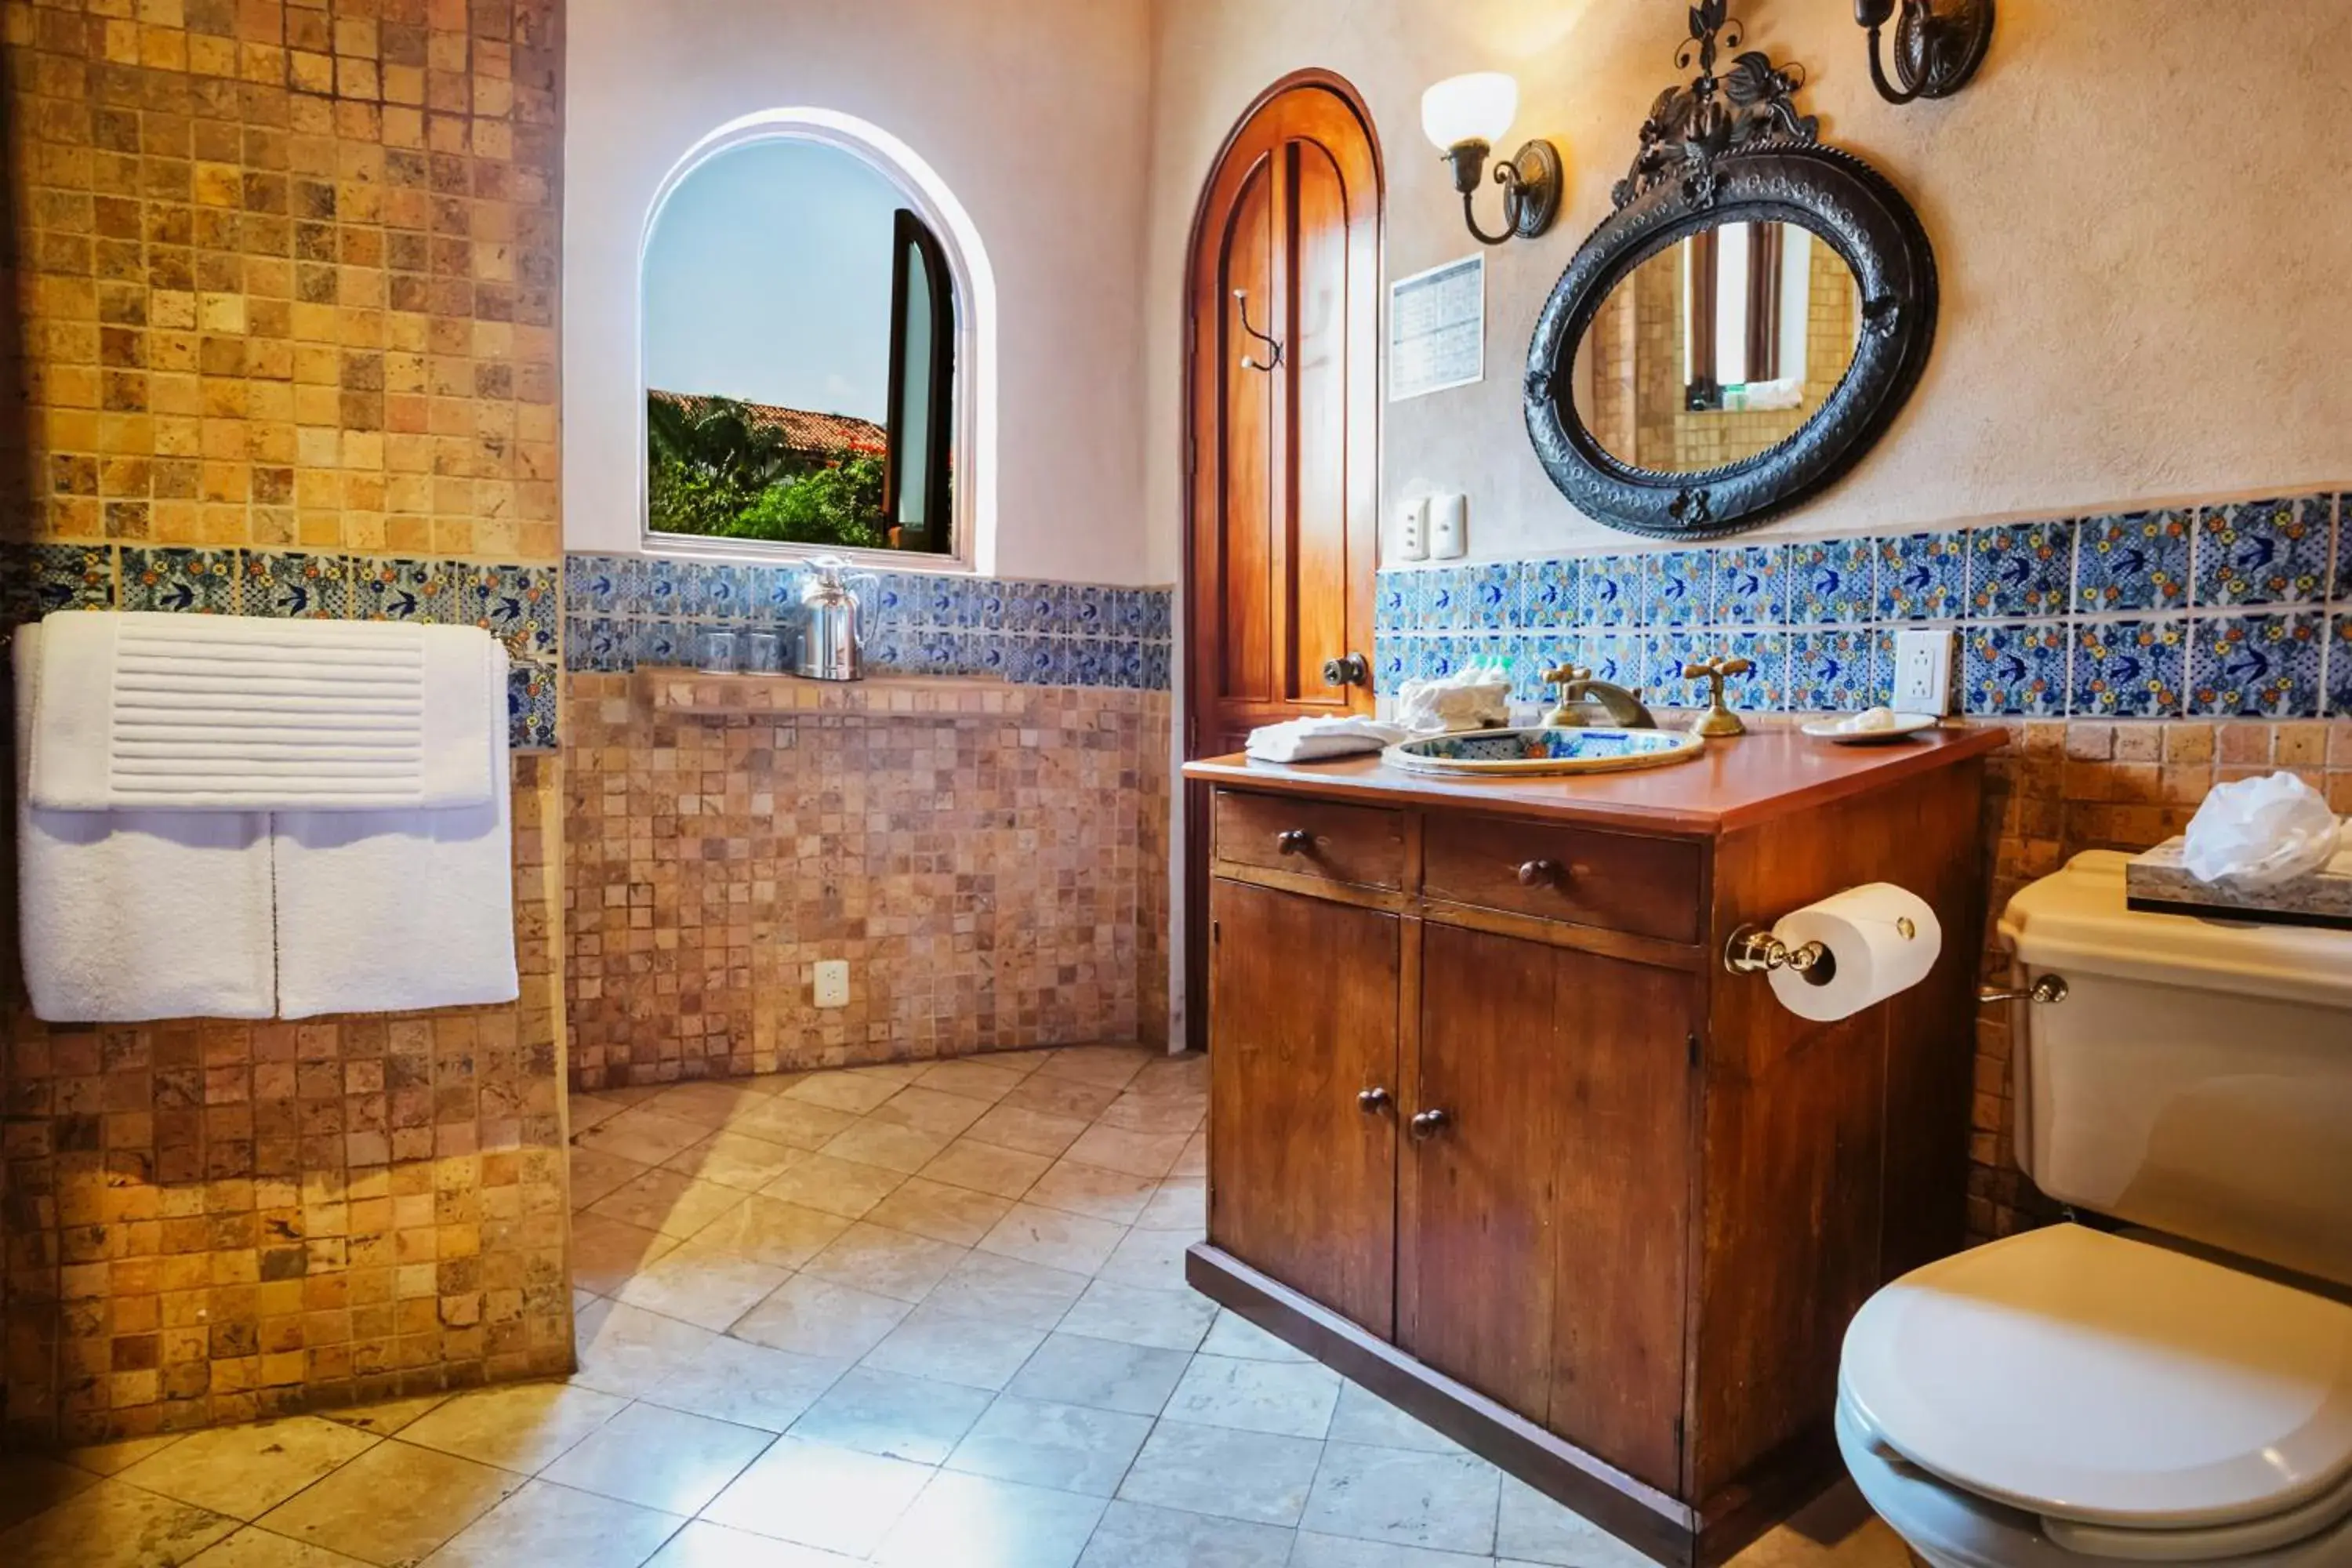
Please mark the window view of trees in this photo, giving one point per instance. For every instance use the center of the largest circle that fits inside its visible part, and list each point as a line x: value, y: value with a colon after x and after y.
x: 731, y: 469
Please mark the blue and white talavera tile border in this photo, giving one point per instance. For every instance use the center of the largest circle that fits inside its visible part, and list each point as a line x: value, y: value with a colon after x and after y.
x: 2236, y: 610
x: 517, y: 602
x: 622, y: 611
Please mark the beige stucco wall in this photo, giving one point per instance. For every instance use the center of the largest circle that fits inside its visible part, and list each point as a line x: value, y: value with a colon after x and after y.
x: 2139, y: 213
x: 1035, y: 115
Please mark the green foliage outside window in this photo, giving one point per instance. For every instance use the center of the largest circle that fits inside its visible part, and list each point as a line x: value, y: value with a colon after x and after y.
x: 717, y: 471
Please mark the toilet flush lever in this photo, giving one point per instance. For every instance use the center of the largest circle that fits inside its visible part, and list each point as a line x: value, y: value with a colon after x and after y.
x: 2048, y: 990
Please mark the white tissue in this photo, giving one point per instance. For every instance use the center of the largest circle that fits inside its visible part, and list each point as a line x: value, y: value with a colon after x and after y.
x: 1872, y: 959
x: 1313, y: 739
x: 1479, y: 698
x: 2261, y: 833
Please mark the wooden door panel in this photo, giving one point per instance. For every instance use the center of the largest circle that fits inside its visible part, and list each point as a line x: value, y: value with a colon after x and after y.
x: 1245, y: 597
x: 1477, y: 1305
x: 1318, y: 361
x: 1302, y: 1020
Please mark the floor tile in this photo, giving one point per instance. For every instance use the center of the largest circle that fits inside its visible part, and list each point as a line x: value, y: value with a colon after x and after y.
x: 660, y: 1458
x: 642, y: 1134
x: 817, y: 1318
x: 1132, y: 1315
x: 553, y: 1525
x: 713, y: 1104
x: 1027, y: 1129
x: 523, y: 1426
x: 102, y: 1459
x: 33, y: 1484
x: 976, y: 1080
x: 1194, y: 1160
x: 111, y: 1525
x: 942, y: 1213
x: 770, y: 1230
x: 1071, y: 1448
x: 385, y: 1417
x: 974, y: 1352
x: 1006, y: 1289
x: 1072, y: 1369
x: 1113, y: 1066
x: 710, y: 1288
x: 1136, y: 1535
x: 930, y: 1111
x: 820, y: 1496
x: 1289, y: 1400
x: 1234, y: 1335
x: 1363, y: 1416
x: 1058, y: 1240
x: 246, y: 1472
x: 795, y: 1123
x: 1151, y: 1259
x: 666, y: 1201
x: 626, y: 1350
x: 1150, y: 1154
x: 912, y: 1419
x: 736, y: 1160
x: 751, y: 1386
x: 394, y: 1504
x: 583, y: 1111
x: 1441, y: 1500
x: 843, y: 1092
x: 599, y: 1175
x: 1314, y: 1551
x: 886, y: 1262
x: 892, y: 1146
x: 606, y: 1252
x: 985, y: 1168
x: 1094, y: 1192
x: 1156, y: 1113
x: 834, y: 1186
x: 1215, y: 1470
x: 1180, y: 1204
x: 971, y: 1521
x: 1531, y: 1528
x: 1836, y: 1530
x: 706, y: 1545
x: 254, y: 1547
x: 1185, y: 1074
x: 1066, y: 1097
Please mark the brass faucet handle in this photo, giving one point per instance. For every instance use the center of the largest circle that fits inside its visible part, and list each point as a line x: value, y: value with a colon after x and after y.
x: 1718, y: 720
x: 1566, y: 675
x: 1568, y: 681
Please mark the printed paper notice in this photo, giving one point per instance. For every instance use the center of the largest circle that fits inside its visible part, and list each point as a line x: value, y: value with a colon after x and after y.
x: 1438, y: 329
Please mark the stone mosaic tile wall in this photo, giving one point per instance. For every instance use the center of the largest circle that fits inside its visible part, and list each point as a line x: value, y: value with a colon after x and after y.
x: 624, y: 611
x: 994, y: 880
x: 2241, y: 610
x: 278, y: 319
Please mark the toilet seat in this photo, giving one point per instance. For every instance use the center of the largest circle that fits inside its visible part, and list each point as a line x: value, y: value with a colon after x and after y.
x: 2143, y: 1403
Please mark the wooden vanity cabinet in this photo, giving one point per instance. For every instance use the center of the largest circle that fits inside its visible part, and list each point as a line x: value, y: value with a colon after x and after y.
x: 1493, y: 1130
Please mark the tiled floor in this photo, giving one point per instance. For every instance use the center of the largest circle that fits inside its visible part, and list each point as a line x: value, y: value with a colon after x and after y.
x: 929, y: 1316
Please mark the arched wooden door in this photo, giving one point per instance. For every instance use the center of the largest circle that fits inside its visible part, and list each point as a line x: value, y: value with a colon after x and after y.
x: 1282, y: 439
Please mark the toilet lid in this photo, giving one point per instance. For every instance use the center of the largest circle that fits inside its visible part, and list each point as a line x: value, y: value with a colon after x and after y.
x: 2097, y: 1379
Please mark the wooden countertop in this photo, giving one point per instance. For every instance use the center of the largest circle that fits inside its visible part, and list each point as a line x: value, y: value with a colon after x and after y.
x: 1735, y: 784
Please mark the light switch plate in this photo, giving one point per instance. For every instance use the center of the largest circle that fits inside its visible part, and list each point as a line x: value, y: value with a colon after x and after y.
x: 1412, y: 529
x: 1449, y: 527
x: 833, y: 982
x: 1922, y: 672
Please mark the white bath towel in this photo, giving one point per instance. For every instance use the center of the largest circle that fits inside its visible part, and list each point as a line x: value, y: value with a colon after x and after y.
x: 132, y: 915
x: 232, y: 713
x: 400, y: 911
x: 1315, y: 740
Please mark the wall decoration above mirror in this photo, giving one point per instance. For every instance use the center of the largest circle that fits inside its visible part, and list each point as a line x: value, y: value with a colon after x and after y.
x: 1743, y: 325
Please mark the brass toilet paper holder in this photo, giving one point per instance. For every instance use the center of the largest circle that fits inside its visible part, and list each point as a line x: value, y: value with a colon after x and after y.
x: 1752, y: 950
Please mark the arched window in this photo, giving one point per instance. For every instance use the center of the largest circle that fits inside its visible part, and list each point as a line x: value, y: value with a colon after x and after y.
x: 817, y: 349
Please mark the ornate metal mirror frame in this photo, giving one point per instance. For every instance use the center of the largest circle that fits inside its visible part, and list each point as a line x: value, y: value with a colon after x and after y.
x: 1731, y: 148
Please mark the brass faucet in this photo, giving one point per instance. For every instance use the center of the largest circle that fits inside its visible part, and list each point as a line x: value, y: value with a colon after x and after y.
x: 1718, y: 722
x: 1579, y: 694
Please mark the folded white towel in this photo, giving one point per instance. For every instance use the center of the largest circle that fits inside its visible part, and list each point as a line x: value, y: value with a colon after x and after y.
x: 132, y: 915
x: 1314, y: 740
x: 400, y: 911
x: 232, y: 714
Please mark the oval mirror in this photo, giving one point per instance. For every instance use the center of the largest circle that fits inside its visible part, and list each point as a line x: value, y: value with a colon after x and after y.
x: 1717, y: 349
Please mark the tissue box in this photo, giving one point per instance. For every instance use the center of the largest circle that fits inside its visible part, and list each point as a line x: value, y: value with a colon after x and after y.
x: 2158, y: 882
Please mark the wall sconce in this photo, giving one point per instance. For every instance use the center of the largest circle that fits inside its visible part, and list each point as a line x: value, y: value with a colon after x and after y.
x: 1465, y: 116
x: 1938, y: 46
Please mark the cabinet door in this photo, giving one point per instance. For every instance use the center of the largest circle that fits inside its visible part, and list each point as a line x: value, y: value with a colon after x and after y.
x: 1302, y: 1022
x: 1544, y: 1221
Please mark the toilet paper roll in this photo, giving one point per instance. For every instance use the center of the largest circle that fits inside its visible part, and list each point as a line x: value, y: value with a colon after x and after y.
x: 1882, y: 940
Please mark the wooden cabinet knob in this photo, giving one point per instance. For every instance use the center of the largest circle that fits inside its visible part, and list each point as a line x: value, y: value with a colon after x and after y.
x: 1372, y: 1100
x: 1294, y: 841
x: 1536, y: 873
x: 1428, y: 1123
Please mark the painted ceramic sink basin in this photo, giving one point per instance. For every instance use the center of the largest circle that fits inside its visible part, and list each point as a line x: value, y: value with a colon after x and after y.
x: 1522, y: 753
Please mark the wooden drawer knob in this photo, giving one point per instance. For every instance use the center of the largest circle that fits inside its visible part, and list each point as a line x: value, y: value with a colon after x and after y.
x: 1294, y: 841
x: 1372, y: 1101
x: 1429, y: 1123
x: 1536, y: 873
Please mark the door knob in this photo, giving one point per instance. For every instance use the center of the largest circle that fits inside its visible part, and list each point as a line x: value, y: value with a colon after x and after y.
x: 1372, y: 1100
x: 1294, y: 841
x: 1427, y: 1123
x: 1348, y: 670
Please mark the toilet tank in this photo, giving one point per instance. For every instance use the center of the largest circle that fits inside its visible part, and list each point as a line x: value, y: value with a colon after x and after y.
x: 2197, y: 1077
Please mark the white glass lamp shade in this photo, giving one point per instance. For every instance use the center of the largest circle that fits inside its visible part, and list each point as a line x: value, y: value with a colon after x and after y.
x: 1479, y: 106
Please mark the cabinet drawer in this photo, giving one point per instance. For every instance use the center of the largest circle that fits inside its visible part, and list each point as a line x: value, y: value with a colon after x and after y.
x: 1360, y: 844
x: 1649, y: 887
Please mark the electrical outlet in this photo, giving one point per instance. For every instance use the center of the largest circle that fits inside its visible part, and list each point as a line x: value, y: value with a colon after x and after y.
x: 833, y: 982
x: 1922, y: 672
x: 1449, y: 527
x: 1412, y: 529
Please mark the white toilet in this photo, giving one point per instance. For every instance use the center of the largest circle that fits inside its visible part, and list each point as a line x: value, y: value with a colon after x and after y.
x: 2180, y: 1392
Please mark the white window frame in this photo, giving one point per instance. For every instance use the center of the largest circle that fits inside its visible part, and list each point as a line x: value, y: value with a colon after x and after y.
x: 975, y: 453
